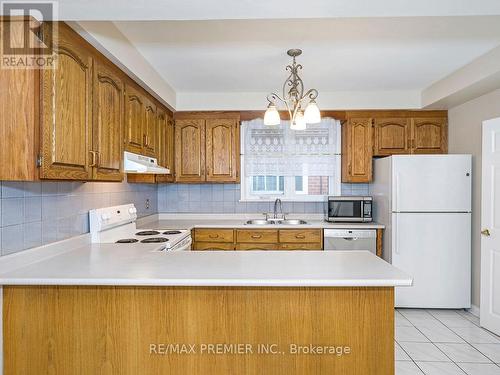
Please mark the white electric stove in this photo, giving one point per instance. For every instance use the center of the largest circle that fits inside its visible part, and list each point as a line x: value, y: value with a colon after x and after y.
x: 118, y: 225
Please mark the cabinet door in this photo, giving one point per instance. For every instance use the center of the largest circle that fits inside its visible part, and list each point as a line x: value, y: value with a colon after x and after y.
x: 170, y: 151
x: 67, y: 110
x: 357, y: 150
x: 429, y: 136
x: 165, y: 144
x: 107, y: 133
x: 392, y: 136
x: 162, y: 119
x: 222, y: 150
x: 18, y: 128
x: 150, y: 138
x: 198, y: 246
x: 190, y: 150
x: 134, y: 119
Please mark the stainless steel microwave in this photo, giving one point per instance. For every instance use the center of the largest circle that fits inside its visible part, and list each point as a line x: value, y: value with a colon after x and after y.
x: 348, y: 209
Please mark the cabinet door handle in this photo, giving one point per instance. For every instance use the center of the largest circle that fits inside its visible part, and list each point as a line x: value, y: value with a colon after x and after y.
x: 300, y: 236
x: 145, y: 140
x: 93, y: 157
x: 256, y: 236
x: 97, y: 159
x: 213, y: 236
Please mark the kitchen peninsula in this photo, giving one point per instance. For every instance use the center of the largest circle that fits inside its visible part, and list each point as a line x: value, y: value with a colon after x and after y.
x: 130, y: 309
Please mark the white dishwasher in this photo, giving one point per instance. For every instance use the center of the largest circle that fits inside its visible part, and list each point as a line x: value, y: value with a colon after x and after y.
x: 347, y: 239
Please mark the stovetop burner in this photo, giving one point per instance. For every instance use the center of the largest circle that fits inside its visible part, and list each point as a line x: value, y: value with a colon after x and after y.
x: 147, y: 233
x: 154, y: 240
x: 127, y: 240
x: 170, y: 232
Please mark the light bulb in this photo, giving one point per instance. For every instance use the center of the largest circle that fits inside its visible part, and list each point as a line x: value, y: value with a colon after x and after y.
x: 272, y: 116
x: 312, y: 114
x: 298, y: 123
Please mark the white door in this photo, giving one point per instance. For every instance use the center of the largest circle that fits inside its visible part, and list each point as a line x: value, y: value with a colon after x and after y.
x: 435, y: 249
x: 490, y: 224
x: 432, y: 183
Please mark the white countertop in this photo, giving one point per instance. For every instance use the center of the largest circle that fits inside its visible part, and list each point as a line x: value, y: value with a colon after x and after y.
x: 138, y: 264
x: 190, y: 221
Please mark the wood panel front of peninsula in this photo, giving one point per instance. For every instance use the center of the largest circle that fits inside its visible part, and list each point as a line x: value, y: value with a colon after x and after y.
x: 110, y: 329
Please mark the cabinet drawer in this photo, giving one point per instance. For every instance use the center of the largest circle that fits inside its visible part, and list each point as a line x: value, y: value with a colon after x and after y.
x: 213, y: 246
x: 261, y: 236
x: 256, y: 246
x: 214, y: 235
x: 300, y: 235
x: 300, y: 246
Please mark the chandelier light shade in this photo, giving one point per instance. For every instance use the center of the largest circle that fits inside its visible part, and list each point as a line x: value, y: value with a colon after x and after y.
x: 293, y: 98
x: 272, y: 116
x: 299, y: 122
x: 312, y: 114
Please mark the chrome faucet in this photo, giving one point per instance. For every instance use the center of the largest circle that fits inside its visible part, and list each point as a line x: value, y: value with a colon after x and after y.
x: 276, y: 202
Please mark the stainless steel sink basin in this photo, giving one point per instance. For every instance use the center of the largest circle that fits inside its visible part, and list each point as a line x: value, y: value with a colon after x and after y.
x: 275, y: 222
x: 258, y: 222
x: 293, y: 222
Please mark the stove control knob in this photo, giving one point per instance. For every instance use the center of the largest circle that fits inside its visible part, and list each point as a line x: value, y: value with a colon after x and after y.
x: 132, y: 210
x: 105, y: 217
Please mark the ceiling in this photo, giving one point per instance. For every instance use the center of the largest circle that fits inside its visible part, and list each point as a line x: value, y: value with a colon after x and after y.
x: 343, y: 54
x: 107, y: 10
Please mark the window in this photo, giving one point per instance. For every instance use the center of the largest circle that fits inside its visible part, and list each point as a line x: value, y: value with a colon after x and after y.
x: 278, y: 162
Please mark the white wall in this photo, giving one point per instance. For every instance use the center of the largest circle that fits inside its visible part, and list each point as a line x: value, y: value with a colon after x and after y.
x: 108, y: 39
x: 465, y: 132
x: 191, y: 101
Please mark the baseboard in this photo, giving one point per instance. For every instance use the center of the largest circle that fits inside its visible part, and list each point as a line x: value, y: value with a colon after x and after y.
x: 474, y: 310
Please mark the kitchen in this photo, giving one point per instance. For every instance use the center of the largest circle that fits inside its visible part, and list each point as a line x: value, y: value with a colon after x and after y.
x: 221, y: 212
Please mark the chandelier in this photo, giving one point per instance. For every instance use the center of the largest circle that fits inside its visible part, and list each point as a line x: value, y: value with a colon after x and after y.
x: 293, y: 98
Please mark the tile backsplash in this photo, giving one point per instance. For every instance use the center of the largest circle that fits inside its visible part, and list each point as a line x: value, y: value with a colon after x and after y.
x: 224, y: 198
x: 37, y: 213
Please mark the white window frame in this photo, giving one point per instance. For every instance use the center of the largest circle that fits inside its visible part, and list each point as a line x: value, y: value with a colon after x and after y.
x: 289, y: 195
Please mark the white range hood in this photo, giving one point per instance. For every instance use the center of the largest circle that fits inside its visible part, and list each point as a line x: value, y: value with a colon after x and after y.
x: 134, y: 163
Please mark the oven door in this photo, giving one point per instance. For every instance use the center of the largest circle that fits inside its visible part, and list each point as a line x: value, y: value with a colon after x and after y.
x: 350, y: 210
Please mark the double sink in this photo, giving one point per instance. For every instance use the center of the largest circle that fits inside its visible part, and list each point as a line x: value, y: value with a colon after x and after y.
x: 276, y: 221
x: 278, y: 217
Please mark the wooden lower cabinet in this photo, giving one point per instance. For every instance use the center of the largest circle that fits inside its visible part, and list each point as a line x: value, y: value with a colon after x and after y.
x: 213, y: 246
x: 257, y: 239
x: 301, y: 235
x: 257, y: 236
x: 301, y: 246
x: 257, y: 246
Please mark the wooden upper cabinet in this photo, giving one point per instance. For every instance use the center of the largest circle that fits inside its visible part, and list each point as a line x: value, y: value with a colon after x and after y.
x: 150, y: 129
x: 429, y: 135
x: 222, y: 151
x: 108, y: 123
x: 190, y: 150
x: 161, y: 116
x: 391, y: 136
x: 165, y: 144
x: 170, y: 158
x: 19, y: 116
x: 357, y: 150
x: 66, y: 123
x: 134, y: 119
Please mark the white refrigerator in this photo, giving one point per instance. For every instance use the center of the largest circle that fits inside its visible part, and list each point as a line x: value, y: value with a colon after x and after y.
x: 425, y: 203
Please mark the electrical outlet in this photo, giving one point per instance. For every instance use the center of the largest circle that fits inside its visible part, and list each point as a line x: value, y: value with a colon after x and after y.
x: 147, y: 204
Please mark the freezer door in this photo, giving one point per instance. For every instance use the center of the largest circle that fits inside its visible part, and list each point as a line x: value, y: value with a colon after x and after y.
x: 435, y: 249
x: 432, y: 183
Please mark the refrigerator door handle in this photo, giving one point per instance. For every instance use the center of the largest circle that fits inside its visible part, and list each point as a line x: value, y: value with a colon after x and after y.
x: 396, y: 193
x: 395, y: 237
